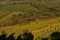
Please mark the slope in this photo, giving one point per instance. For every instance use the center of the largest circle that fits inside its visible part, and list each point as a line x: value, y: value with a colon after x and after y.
x: 41, y: 27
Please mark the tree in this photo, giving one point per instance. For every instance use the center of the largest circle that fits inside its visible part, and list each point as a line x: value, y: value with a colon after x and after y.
x: 55, y: 36
x: 19, y: 37
x: 27, y: 35
x: 44, y: 38
x: 3, y: 36
x: 11, y: 37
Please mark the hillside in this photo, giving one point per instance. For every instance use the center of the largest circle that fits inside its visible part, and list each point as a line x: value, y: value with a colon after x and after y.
x: 41, y: 17
x: 42, y: 28
x: 17, y: 12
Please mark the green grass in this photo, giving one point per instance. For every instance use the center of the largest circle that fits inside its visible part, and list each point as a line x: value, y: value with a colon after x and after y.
x: 19, y: 7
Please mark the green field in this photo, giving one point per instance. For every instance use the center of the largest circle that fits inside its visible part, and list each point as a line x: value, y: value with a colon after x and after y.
x: 17, y: 7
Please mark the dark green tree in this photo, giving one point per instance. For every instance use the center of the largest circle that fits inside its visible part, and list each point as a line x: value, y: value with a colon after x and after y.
x: 55, y: 36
